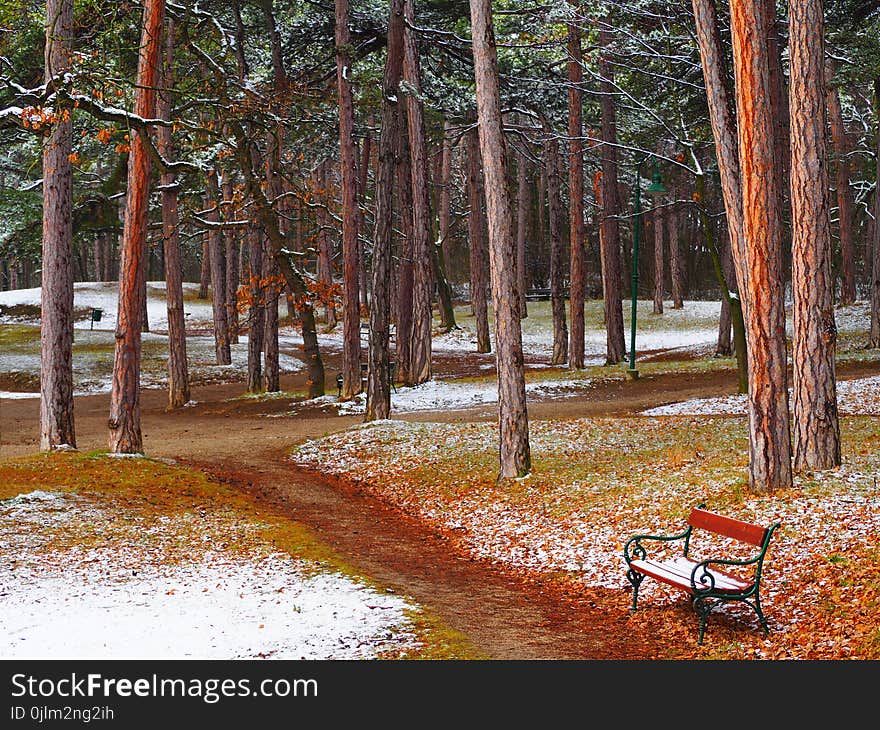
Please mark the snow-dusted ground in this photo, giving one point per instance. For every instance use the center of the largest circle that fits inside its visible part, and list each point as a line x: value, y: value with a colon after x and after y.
x: 694, y: 326
x: 123, y: 602
x: 577, y: 527
x: 449, y: 395
x: 691, y: 330
x: 857, y: 397
x: 105, y: 296
x: 94, y: 342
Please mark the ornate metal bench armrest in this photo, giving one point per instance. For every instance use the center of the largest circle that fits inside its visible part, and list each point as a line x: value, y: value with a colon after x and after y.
x: 634, y: 550
x: 702, y: 581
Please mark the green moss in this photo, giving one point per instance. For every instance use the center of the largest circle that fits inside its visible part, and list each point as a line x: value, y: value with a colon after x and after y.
x: 440, y: 642
x: 16, y: 337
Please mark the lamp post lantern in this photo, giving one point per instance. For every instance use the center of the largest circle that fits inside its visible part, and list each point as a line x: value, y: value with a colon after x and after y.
x: 656, y: 188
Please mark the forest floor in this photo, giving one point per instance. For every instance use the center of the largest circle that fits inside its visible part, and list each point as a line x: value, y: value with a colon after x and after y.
x: 505, y: 613
x: 534, y: 572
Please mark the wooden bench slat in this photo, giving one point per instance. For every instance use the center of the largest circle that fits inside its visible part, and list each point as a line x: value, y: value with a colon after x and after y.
x: 677, y: 572
x: 727, y: 526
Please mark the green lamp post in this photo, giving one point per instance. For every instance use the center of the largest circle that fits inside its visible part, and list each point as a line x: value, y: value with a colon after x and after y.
x: 655, y: 188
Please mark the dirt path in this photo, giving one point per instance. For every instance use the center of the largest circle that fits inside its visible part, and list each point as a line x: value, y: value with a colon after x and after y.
x: 506, y: 616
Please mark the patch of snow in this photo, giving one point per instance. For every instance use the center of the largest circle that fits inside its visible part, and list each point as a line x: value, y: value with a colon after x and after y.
x: 451, y: 395
x: 93, y: 350
x: 210, y: 609
x: 856, y: 397
x: 126, y: 603
x: 105, y: 296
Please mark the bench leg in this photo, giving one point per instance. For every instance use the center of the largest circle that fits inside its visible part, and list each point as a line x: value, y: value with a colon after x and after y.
x: 757, y: 606
x: 636, y: 580
x: 703, y: 607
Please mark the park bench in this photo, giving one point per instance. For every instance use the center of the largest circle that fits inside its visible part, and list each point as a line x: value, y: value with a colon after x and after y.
x: 364, y: 373
x: 708, y: 586
x: 538, y: 294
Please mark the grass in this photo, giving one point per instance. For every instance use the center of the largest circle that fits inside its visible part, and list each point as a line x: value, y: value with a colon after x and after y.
x: 14, y: 337
x: 93, y: 352
x: 142, y: 492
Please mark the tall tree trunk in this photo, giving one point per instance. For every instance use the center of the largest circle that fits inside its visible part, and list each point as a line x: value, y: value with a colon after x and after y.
x: 478, y: 249
x: 278, y: 73
x: 732, y: 300
x: 56, y: 317
x: 615, y: 346
x: 273, y: 286
x: 845, y: 204
x: 247, y: 155
x: 814, y: 390
x: 724, y: 348
x: 874, y: 334
x: 230, y: 240
x: 366, y: 156
x: 145, y: 320
x: 404, y: 311
x: 721, y: 113
x: 216, y: 249
x: 514, y: 452
x: 576, y: 198
x: 523, y: 208
x: 325, y: 250
x: 676, y: 265
x: 557, y: 253
x: 769, y: 428
x: 659, y: 258
x: 98, y: 253
x: 444, y: 213
x: 378, y: 385
x: 445, y: 305
x: 724, y: 345
x: 178, y: 369
x: 256, y: 312
x: 125, y: 416
x: 779, y: 100
x: 273, y: 289
x: 541, y: 240
x: 423, y: 281
x: 444, y: 291
x: 351, y: 310
x: 205, y: 274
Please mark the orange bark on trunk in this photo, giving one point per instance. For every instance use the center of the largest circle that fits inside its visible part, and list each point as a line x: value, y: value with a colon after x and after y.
x: 125, y: 416
x: 769, y: 429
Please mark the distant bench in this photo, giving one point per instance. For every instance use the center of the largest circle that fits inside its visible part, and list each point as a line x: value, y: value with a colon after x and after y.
x: 537, y: 295
x: 543, y: 295
x: 707, y: 586
x: 364, y: 373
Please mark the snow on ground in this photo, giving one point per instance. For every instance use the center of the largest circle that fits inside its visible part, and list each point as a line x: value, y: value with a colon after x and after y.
x: 94, y: 342
x: 92, y: 369
x: 857, y: 397
x: 447, y: 395
x: 105, y: 296
x: 111, y: 603
x: 695, y: 324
